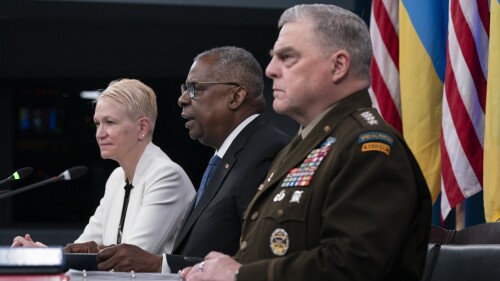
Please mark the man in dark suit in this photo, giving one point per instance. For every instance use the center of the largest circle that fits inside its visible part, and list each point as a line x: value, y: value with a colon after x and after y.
x: 222, y: 101
x: 345, y: 200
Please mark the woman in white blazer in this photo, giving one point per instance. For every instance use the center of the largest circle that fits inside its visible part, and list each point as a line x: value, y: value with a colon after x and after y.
x: 160, y: 190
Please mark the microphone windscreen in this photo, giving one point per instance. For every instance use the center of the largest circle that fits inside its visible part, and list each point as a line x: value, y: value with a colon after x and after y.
x: 23, y: 172
x: 73, y: 173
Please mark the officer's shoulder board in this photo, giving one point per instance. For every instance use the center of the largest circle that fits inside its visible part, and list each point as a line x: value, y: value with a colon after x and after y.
x: 368, y: 117
x: 373, y: 140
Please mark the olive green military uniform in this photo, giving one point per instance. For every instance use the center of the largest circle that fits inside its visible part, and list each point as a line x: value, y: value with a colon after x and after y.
x: 348, y: 202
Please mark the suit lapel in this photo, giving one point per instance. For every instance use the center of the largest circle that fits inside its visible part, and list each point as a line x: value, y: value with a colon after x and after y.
x: 183, y: 228
x: 223, y: 168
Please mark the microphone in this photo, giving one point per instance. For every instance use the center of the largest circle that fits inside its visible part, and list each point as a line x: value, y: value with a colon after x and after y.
x: 19, y: 174
x: 69, y: 174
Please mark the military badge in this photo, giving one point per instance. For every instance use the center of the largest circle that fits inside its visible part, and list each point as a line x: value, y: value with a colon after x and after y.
x: 279, y: 196
x: 376, y: 141
x: 279, y: 242
x: 296, y: 196
x: 376, y: 146
x: 369, y: 118
x: 302, y: 175
x: 377, y: 137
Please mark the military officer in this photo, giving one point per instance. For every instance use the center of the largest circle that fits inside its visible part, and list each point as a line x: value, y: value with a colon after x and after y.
x: 345, y: 200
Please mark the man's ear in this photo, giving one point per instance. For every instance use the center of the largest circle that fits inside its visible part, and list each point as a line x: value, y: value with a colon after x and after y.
x: 237, y: 97
x: 144, y: 126
x: 340, y: 62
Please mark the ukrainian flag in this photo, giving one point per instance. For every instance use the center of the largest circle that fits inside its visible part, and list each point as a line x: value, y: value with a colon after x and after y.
x: 491, y: 180
x: 423, y: 27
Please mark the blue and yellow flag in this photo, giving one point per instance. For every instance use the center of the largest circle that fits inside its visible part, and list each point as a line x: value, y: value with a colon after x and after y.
x: 422, y: 33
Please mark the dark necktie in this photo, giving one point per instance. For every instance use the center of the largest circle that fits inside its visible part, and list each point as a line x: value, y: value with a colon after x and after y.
x: 127, y: 188
x: 207, y: 175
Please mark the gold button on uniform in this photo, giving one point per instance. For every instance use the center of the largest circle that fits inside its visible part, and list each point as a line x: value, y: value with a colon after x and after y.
x: 255, y: 215
x: 243, y: 245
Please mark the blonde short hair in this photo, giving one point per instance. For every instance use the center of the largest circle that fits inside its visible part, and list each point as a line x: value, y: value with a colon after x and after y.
x: 138, y: 99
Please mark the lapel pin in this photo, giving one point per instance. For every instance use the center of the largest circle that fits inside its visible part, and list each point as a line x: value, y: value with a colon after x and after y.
x: 270, y: 177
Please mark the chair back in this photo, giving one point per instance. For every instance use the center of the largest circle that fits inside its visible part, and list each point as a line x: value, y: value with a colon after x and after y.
x: 467, y: 262
x: 472, y: 253
x: 486, y: 233
x: 440, y: 235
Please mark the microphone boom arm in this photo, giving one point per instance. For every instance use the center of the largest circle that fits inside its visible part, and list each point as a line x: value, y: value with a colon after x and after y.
x: 69, y: 174
x: 29, y: 187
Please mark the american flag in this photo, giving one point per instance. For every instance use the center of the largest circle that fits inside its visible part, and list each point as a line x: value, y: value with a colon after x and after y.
x: 384, y: 91
x: 464, y: 102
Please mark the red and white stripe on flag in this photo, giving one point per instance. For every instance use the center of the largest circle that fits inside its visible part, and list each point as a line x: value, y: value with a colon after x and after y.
x: 384, y: 31
x: 464, y: 102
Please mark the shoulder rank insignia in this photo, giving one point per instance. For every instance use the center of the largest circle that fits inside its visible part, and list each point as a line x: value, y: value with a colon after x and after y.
x: 279, y: 242
x: 376, y: 141
x: 302, y: 175
x: 369, y: 118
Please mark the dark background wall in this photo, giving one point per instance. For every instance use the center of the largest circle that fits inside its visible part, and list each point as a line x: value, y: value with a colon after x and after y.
x: 52, y: 50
